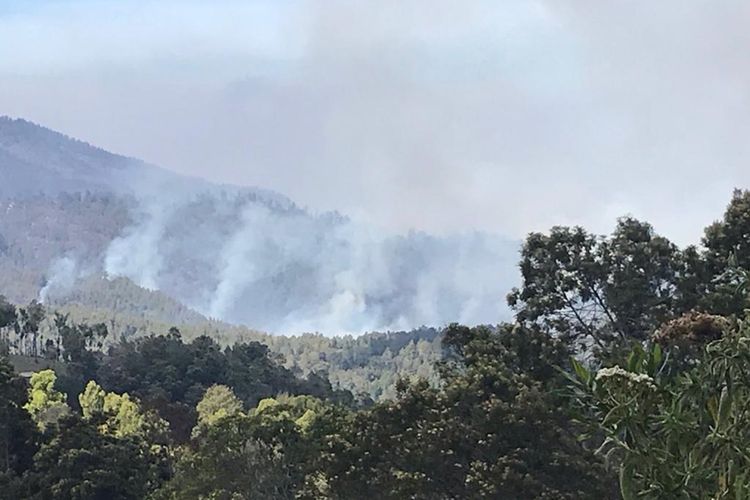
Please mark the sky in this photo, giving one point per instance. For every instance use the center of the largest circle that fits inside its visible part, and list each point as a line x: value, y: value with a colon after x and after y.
x: 504, y: 116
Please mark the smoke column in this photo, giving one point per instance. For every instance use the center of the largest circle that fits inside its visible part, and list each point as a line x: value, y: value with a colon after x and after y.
x: 247, y: 258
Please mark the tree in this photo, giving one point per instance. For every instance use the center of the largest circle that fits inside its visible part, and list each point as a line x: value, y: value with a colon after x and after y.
x: 81, y: 463
x: 730, y: 236
x: 262, y: 454
x: 79, y: 340
x: 726, y: 261
x: 121, y: 416
x: 46, y: 404
x: 29, y: 320
x: 7, y: 320
x: 495, y: 429
x: 599, y: 292
x: 218, y: 402
x: 18, y: 436
x: 78, y: 344
x: 171, y: 376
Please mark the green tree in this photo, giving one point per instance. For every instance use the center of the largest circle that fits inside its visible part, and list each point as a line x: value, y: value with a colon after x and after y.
x: 45, y: 404
x: 218, y: 402
x: 18, y: 436
x: 27, y: 325
x: 81, y: 463
x: 263, y: 454
x: 78, y: 344
x: 496, y: 429
x: 599, y: 292
x: 121, y: 416
x: 726, y: 261
x: 171, y: 376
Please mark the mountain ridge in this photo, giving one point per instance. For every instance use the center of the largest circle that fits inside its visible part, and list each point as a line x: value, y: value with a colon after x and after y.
x: 75, y: 162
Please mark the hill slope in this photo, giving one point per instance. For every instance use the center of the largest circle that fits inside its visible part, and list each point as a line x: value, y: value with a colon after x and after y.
x: 36, y: 160
x: 71, y: 214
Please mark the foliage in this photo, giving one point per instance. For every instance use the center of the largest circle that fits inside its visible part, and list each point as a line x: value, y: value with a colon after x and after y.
x: 46, y: 404
x: 81, y: 463
x: 171, y: 376
x: 494, y: 430
x: 684, y: 435
x: 18, y: 436
x: 218, y: 402
x: 368, y: 365
x: 243, y: 456
x: 120, y: 416
x: 726, y: 260
x: 597, y: 291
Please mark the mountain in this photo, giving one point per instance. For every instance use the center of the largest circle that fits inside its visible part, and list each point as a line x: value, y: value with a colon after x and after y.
x: 75, y: 218
x: 35, y: 160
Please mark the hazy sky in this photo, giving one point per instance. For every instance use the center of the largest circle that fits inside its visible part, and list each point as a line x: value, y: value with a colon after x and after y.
x: 508, y: 116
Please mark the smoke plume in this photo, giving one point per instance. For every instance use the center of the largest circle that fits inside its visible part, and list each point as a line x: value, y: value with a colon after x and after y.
x: 61, y: 277
x: 247, y: 257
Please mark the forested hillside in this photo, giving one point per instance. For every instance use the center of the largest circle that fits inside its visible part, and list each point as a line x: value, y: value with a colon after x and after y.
x: 79, y: 227
x: 623, y: 375
x: 242, y: 255
x: 141, y: 258
x: 367, y: 365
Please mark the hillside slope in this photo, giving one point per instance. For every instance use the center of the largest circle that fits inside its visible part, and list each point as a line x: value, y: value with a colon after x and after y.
x: 70, y: 212
x: 36, y: 160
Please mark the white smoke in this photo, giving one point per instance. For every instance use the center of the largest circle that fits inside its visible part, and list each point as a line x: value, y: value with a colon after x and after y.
x: 60, y: 278
x: 252, y: 259
x: 136, y: 254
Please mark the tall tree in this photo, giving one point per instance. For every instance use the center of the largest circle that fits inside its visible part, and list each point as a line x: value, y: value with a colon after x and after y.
x: 27, y: 325
x: 598, y: 291
x: 218, y: 402
x: 727, y: 258
x: 18, y: 436
x: 7, y: 320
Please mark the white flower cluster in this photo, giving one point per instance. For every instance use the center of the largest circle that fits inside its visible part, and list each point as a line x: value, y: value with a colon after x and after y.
x: 615, y: 372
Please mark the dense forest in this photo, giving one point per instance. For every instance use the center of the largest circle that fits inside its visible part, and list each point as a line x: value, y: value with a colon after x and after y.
x: 368, y: 365
x: 623, y: 374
